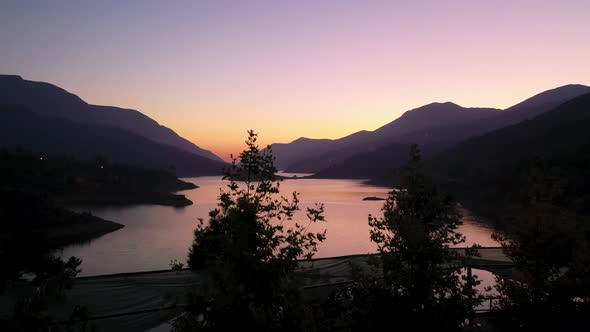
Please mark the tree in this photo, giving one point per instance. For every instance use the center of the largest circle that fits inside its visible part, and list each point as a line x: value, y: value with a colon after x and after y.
x: 27, y: 255
x: 423, y: 283
x: 249, y: 250
x: 547, y: 289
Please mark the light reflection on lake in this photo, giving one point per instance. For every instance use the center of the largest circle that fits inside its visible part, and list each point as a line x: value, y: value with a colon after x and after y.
x: 154, y: 235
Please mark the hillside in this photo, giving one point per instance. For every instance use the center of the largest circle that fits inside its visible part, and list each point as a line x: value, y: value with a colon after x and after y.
x: 21, y: 127
x: 433, y: 139
x: 562, y: 131
x: 71, y: 182
x: 488, y: 170
x: 49, y: 100
x: 527, y: 109
x: 320, y: 154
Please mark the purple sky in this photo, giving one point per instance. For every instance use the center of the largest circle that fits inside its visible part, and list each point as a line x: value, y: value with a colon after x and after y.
x: 213, y: 69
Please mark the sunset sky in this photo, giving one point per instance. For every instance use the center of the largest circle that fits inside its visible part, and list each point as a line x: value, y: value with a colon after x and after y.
x: 210, y: 70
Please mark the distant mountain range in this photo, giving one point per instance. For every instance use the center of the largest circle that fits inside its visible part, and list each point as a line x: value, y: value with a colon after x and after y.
x: 45, y: 118
x: 311, y: 155
x: 436, y: 127
x: 47, y: 99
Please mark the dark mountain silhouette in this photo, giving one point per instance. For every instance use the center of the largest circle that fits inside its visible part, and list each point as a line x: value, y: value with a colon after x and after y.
x: 435, y: 114
x: 379, y: 166
x: 528, y: 109
x: 560, y: 132
x: 23, y: 128
x: 433, y: 139
x: 299, y: 147
x: 47, y: 99
x: 366, y: 165
x: 309, y: 155
x: 489, y: 170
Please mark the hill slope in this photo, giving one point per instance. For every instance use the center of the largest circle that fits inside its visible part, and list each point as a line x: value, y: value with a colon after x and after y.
x: 47, y: 99
x: 436, y: 139
x: 562, y: 131
x: 23, y: 128
x: 490, y: 170
x: 315, y: 155
x: 528, y: 109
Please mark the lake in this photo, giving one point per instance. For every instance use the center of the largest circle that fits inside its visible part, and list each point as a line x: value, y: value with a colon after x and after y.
x: 153, y: 235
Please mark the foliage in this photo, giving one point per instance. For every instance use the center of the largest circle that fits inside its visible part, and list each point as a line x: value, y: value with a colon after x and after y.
x: 248, y: 251
x: 48, y: 275
x: 549, y: 289
x: 423, y: 283
x: 27, y: 256
x: 78, y: 182
x: 176, y: 265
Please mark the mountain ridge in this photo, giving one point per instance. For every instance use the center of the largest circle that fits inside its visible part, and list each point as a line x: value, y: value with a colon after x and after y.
x: 25, y: 129
x: 43, y: 97
x: 327, y: 152
x: 438, y: 134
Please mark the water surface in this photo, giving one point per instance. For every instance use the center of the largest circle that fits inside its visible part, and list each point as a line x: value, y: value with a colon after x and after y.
x: 153, y: 235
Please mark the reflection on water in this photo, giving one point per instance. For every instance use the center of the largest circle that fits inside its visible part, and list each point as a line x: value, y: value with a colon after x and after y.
x: 154, y: 235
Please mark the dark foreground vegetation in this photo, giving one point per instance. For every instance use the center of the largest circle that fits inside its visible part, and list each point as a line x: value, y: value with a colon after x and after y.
x: 248, y: 253
x: 32, y: 228
x: 35, y: 190
x: 71, y: 182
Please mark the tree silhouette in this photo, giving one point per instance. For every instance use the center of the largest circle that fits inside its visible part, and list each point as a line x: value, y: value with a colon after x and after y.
x: 423, y: 283
x: 249, y: 250
x: 548, y: 289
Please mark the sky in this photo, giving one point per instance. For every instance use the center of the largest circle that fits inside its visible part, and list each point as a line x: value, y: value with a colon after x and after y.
x: 211, y: 70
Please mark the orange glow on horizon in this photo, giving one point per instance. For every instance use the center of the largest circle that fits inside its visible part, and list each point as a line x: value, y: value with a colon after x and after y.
x: 319, y: 69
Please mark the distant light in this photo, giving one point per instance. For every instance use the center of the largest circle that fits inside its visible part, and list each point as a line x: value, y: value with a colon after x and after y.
x: 40, y: 158
x: 101, y: 166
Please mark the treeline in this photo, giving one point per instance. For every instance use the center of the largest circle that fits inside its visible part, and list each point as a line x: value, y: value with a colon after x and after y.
x: 249, y: 249
x: 69, y: 181
x: 489, y: 172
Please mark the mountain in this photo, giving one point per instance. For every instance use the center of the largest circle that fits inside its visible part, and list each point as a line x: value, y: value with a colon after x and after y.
x: 286, y: 153
x: 22, y: 128
x: 490, y: 170
x: 309, y: 155
x: 434, y: 115
x: 433, y: 139
x: 47, y: 99
x: 366, y: 165
x: 487, y: 172
x: 562, y: 131
x: 528, y: 109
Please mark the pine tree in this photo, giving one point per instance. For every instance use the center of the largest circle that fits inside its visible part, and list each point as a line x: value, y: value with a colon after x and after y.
x: 542, y: 242
x: 423, y: 283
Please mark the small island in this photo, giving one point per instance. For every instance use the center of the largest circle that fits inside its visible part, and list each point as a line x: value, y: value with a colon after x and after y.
x: 373, y: 198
